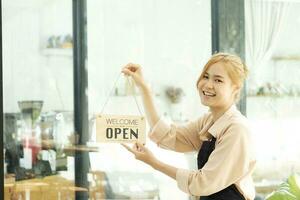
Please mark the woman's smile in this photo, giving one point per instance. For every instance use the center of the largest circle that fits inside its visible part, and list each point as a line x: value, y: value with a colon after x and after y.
x: 209, y: 94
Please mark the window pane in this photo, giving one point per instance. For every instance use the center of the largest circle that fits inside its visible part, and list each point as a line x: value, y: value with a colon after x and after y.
x: 171, y: 40
x: 273, y: 88
x: 38, y: 98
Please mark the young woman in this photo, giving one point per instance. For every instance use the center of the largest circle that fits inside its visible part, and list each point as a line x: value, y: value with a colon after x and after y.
x: 221, y: 137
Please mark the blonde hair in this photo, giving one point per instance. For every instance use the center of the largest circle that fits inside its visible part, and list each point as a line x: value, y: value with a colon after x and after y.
x: 235, y: 67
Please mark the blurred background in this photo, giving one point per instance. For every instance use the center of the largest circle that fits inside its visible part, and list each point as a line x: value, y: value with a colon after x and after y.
x: 45, y: 155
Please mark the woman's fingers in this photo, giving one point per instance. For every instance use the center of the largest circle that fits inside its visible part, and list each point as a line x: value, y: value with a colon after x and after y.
x: 141, y: 153
x: 127, y: 71
x: 137, y: 148
x: 132, y: 67
x: 134, y: 70
x: 128, y: 148
x: 140, y: 146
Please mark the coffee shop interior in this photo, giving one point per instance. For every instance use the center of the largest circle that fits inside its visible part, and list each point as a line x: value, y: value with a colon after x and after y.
x: 61, y: 67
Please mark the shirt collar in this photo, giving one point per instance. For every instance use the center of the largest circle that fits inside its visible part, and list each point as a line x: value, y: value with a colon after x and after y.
x: 220, y: 123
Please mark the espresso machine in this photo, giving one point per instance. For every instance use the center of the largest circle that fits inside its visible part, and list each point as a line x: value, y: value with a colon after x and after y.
x: 13, y: 146
x: 34, y: 140
x: 21, y: 144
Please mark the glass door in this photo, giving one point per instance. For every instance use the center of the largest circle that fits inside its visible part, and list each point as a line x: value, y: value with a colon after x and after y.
x: 168, y: 39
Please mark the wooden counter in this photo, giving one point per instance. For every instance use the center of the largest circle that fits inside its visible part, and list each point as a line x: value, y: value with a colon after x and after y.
x: 48, y: 188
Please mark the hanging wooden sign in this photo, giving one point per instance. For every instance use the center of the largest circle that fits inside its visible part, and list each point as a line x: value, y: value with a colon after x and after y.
x: 120, y: 128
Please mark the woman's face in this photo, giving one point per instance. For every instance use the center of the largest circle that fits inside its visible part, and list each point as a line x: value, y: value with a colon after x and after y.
x: 216, y: 88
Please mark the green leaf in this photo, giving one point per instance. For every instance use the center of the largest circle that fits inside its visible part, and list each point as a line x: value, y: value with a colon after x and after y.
x: 281, y: 195
x: 294, y: 182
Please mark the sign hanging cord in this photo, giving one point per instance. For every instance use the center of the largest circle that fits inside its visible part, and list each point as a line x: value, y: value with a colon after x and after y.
x: 131, y: 84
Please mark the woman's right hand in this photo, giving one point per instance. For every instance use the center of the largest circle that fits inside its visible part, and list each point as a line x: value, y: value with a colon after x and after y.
x: 135, y: 71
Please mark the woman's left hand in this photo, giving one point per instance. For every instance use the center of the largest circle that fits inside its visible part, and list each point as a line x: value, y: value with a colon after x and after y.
x: 141, y: 153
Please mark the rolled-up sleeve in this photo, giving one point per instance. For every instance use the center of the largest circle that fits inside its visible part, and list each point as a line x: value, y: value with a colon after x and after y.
x: 226, y: 165
x: 180, y: 138
x: 182, y: 178
x: 159, y: 130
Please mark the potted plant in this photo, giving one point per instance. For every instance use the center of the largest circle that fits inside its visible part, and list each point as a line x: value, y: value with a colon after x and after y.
x: 175, y: 95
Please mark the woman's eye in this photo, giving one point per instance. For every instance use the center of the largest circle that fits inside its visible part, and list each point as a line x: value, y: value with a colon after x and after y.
x: 218, y: 81
x: 205, y: 77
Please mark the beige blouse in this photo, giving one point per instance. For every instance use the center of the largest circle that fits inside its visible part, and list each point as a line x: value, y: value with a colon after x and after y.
x: 232, y: 161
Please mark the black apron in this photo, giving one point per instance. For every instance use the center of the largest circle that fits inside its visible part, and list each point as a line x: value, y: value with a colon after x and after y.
x: 229, y: 193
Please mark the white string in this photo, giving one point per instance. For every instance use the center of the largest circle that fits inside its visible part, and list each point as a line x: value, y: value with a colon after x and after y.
x: 131, y: 84
x: 109, y: 94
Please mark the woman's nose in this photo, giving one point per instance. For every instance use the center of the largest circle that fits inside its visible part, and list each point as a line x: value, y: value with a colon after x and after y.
x: 208, y: 84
